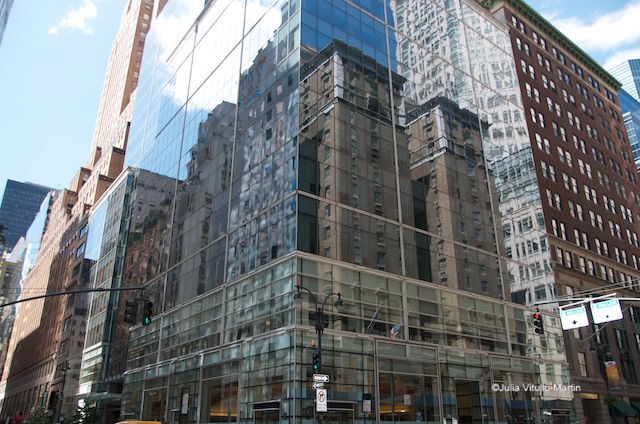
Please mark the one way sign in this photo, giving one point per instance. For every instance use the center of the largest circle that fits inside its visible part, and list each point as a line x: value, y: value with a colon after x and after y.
x: 605, y: 311
x: 574, y: 318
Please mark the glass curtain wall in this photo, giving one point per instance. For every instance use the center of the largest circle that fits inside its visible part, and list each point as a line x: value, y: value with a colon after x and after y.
x: 373, y: 148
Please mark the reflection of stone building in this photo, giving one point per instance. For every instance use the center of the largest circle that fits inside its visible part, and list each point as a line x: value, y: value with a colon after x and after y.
x: 347, y: 156
x: 263, y: 176
x: 470, y: 62
x: 132, y: 220
x: 451, y: 195
x: 321, y: 194
x: 202, y: 204
x: 10, y: 273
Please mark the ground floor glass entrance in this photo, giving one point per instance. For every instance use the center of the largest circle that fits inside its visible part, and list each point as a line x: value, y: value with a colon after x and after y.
x: 269, y: 380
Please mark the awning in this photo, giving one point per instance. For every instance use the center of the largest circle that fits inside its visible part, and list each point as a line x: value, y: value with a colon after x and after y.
x: 623, y: 409
x: 636, y: 405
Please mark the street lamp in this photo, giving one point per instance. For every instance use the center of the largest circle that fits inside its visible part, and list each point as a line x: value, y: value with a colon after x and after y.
x: 319, y: 319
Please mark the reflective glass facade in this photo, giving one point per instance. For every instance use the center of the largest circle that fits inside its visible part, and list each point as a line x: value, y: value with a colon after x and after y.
x: 631, y: 115
x: 628, y: 73
x: 20, y: 204
x: 373, y: 148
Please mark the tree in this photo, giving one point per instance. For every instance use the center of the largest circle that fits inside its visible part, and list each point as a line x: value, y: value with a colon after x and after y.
x: 86, y: 414
x: 39, y: 415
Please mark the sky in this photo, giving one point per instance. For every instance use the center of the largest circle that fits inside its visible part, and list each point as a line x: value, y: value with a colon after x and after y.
x: 608, y: 30
x: 53, y: 59
x: 54, y: 54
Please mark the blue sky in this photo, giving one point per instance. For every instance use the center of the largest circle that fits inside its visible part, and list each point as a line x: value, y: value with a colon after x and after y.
x: 50, y: 86
x: 54, y: 54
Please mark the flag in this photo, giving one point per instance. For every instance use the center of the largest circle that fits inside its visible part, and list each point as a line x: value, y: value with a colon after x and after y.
x: 395, y: 331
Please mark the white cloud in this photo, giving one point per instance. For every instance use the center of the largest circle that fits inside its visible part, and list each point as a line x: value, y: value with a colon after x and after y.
x: 621, y: 56
x: 77, y: 19
x: 609, y: 31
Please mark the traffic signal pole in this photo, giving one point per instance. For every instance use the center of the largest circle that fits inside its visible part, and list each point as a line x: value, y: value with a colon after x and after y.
x: 53, y: 294
x: 319, y: 315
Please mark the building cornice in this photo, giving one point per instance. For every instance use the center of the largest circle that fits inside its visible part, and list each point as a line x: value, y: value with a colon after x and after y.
x: 549, y: 30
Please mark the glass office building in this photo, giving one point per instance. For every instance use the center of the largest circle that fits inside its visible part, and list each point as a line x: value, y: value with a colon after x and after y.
x: 370, y: 148
x: 631, y: 115
x: 628, y: 73
x: 20, y: 204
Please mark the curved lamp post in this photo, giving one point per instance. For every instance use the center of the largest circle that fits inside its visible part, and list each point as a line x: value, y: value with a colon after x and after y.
x: 319, y: 315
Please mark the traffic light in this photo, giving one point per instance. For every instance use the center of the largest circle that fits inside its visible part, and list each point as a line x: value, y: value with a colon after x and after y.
x: 131, y: 311
x: 316, y: 361
x: 538, y: 325
x: 147, y: 312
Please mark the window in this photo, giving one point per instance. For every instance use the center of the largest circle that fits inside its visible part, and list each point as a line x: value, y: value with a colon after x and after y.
x: 565, y: 156
x: 621, y: 339
x: 585, y: 168
x: 523, y: 46
x: 554, y: 199
x: 559, y: 256
x: 545, y: 169
x: 568, y: 259
x: 582, y: 264
x: 590, y: 194
x: 532, y: 92
x: 559, y: 131
x: 543, y: 144
x: 579, y: 144
x: 582, y: 364
x: 579, y: 212
x: 80, y: 250
x: 517, y: 23
x: 570, y: 183
x: 537, y: 117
